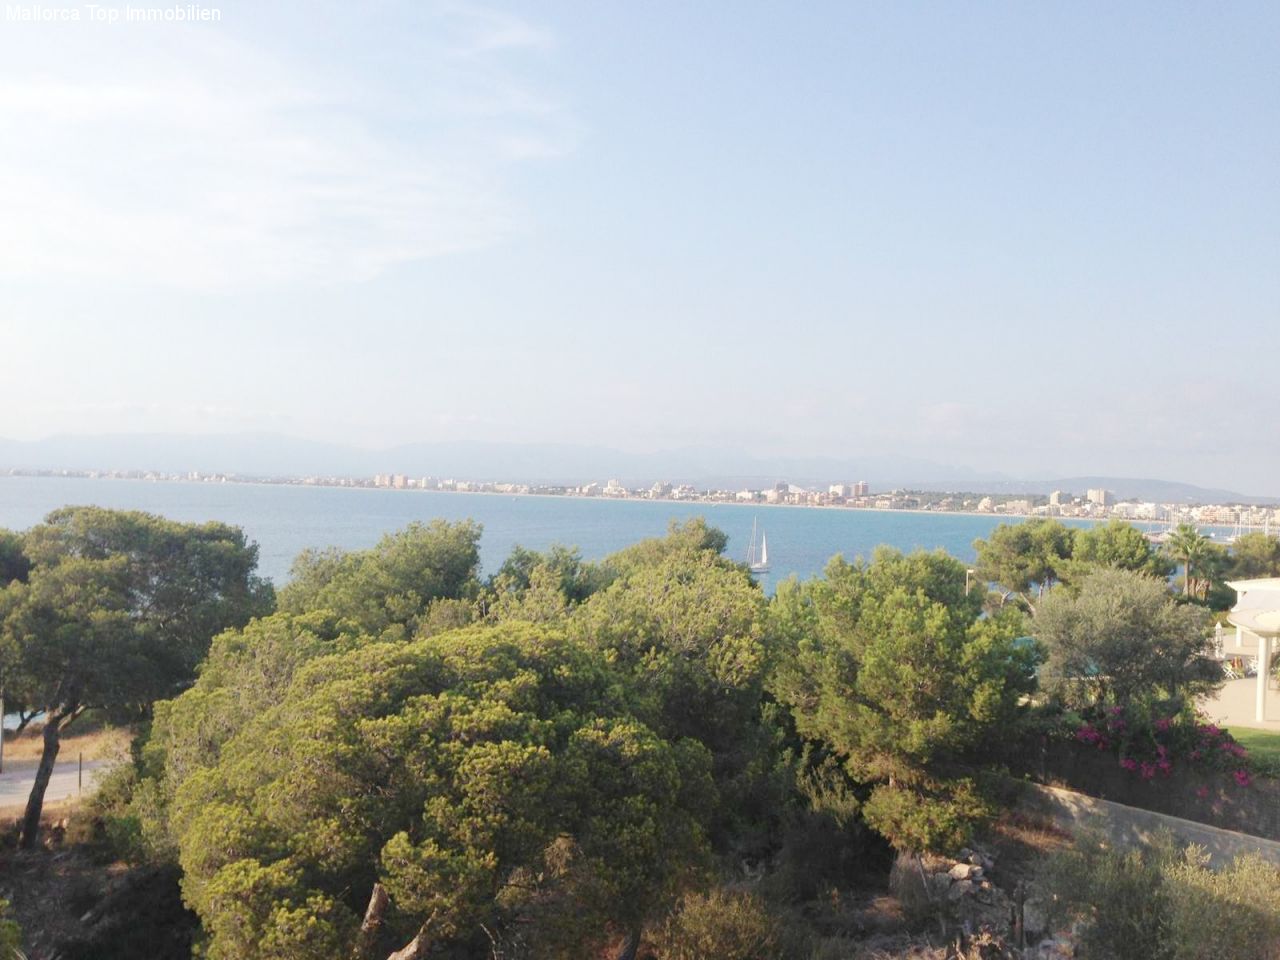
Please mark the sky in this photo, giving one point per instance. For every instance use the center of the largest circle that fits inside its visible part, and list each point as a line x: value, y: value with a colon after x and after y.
x: 1029, y: 238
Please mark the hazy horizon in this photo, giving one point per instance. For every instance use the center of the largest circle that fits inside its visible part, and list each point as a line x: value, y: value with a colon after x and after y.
x: 1028, y: 241
x: 268, y: 455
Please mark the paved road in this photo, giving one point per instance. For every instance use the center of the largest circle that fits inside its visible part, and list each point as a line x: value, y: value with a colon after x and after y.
x: 15, y: 782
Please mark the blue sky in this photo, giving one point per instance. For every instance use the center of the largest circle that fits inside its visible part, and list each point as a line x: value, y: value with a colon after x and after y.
x: 1030, y: 238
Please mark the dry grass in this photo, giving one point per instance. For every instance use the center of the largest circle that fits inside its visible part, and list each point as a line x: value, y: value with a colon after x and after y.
x: 55, y: 813
x: 103, y: 743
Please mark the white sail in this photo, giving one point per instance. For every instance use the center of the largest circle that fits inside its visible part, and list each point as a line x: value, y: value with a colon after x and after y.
x: 757, y: 563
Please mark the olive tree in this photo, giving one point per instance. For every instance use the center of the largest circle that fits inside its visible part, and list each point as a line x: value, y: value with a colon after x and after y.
x: 1121, y: 638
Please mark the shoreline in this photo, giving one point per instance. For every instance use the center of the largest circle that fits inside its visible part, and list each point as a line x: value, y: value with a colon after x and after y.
x: 174, y: 481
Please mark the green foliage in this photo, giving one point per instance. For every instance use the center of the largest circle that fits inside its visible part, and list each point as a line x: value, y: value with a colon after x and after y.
x: 247, y: 672
x: 727, y: 925
x: 577, y: 580
x: 1255, y: 555
x: 1162, y: 903
x: 1201, y: 559
x: 689, y: 627
x: 686, y: 627
x: 10, y: 935
x: 456, y: 770
x: 1122, y: 639
x: 890, y: 668
x: 117, y: 611
x: 1225, y: 915
x: 1019, y: 556
x: 104, y: 823
x: 1121, y: 895
x: 119, y: 608
x: 925, y: 813
x: 541, y: 600
x: 1115, y: 544
x: 14, y: 562
x: 692, y: 536
x: 390, y: 588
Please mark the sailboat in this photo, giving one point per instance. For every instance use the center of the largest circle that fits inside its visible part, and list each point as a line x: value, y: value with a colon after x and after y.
x: 760, y: 565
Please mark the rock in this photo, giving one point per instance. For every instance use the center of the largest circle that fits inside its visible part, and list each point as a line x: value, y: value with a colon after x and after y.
x: 1035, y: 916
x: 963, y: 871
x: 959, y: 889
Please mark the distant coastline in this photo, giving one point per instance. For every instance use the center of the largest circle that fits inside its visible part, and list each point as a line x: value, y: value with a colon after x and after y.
x: 1258, y: 518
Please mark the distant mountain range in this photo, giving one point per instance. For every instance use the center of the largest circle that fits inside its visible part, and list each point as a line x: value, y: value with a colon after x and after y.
x: 277, y: 456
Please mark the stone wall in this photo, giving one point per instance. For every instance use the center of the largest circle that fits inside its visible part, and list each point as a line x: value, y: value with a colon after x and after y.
x: 1125, y: 825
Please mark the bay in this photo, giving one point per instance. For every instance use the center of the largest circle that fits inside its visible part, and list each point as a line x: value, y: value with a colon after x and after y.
x: 286, y: 519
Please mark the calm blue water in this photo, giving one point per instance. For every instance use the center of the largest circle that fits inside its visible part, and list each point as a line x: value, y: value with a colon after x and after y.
x: 285, y: 520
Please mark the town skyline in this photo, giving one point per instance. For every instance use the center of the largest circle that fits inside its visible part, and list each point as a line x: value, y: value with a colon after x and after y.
x: 558, y: 468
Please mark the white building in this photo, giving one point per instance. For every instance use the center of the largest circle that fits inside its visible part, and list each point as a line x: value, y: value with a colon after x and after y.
x: 1257, y: 613
x: 1101, y: 498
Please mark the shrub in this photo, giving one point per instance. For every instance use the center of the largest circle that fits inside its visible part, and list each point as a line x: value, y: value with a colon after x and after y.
x: 722, y: 924
x: 1163, y: 903
x: 1229, y: 915
x: 106, y: 823
x: 10, y: 934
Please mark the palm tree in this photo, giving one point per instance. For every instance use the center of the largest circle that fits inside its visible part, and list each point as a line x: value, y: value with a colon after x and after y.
x: 1189, y: 545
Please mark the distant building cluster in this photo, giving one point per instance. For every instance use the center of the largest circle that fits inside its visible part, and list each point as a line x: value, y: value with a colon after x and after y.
x: 1095, y: 504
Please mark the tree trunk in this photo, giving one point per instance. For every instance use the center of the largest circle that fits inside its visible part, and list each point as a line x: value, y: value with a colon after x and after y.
x: 416, y: 948
x: 372, y: 924
x: 631, y: 947
x: 35, y: 802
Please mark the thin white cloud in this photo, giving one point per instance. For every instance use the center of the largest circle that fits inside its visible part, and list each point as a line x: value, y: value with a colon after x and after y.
x: 204, y: 160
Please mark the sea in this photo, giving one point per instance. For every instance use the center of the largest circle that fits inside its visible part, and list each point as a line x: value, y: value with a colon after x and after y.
x: 285, y: 519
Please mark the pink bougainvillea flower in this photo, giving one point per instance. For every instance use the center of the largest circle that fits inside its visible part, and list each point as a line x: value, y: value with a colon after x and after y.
x: 1129, y: 763
x: 1202, y: 793
x: 1243, y: 778
x: 1162, y: 724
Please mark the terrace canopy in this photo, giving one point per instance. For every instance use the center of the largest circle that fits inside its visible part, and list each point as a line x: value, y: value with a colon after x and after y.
x: 1257, y: 611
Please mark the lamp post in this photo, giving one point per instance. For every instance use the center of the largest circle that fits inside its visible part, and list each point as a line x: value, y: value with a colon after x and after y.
x: 968, y: 578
